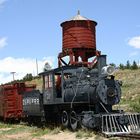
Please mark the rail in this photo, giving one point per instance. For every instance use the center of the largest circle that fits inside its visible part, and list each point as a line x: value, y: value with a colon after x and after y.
x: 131, y: 136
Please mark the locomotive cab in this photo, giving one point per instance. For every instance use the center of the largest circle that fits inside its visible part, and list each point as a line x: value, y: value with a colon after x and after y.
x: 53, y: 84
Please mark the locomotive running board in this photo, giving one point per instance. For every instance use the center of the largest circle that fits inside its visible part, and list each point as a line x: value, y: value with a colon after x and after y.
x: 120, y: 123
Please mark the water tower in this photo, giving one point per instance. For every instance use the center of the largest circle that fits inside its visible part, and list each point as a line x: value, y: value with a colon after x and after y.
x: 79, y: 41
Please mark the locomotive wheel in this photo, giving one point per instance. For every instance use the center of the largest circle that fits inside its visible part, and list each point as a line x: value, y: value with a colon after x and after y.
x: 73, y: 120
x: 65, y: 119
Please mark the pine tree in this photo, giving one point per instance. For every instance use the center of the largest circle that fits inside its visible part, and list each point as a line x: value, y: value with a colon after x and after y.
x: 134, y: 65
x: 121, y: 66
x: 28, y: 77
x: 128, y: 65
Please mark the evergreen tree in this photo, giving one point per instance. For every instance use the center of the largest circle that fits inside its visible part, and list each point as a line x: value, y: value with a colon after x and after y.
x: 28, y: 77
x: 134, y: 65
x: 128, y: 65
x: 121, y: 66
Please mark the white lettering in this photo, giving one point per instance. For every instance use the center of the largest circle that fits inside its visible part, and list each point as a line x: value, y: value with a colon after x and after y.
x: 30, y: 101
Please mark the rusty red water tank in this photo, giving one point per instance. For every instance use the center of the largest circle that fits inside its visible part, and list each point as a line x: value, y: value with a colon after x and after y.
x: 79, y: 32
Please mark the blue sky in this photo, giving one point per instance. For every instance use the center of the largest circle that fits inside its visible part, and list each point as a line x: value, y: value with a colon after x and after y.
x: 30, y: 29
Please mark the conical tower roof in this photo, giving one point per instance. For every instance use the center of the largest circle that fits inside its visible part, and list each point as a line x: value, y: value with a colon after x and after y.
x: 79, y: 17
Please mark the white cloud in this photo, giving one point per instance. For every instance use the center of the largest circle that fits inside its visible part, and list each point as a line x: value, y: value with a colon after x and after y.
x: 135, y: 42
x: 21, y: 66
x: 3, y: 42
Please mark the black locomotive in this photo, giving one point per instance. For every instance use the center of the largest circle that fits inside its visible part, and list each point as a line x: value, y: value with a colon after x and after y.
x: 77, y: 95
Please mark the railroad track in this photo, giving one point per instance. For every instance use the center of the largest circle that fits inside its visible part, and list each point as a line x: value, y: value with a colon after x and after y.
x: 127, y: 136
x: 131, y: 136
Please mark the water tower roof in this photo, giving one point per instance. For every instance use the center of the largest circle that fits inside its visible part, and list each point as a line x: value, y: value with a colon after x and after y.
x: 79, y: 17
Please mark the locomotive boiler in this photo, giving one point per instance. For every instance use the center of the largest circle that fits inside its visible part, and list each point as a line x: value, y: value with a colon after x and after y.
x: 86, y: 85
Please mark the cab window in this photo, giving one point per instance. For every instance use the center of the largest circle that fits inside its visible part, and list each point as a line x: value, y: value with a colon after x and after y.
x: 48, y: 81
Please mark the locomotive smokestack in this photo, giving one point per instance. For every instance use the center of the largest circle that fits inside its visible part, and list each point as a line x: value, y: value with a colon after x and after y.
x: 101, y: 62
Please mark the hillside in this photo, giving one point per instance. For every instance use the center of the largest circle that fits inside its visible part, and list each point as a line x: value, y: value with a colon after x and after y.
x: 37, y: 81
x: 130, y: 89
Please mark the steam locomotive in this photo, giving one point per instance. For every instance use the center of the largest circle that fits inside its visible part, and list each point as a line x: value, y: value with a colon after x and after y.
x: 80, y: 96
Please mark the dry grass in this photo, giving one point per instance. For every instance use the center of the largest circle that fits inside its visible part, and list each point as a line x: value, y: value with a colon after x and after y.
x: 38, y: 81
x: 130, y: 89
x: 24, y: 132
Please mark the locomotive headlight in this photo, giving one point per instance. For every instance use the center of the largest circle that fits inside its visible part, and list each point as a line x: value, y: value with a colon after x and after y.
x: 108, y: 70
